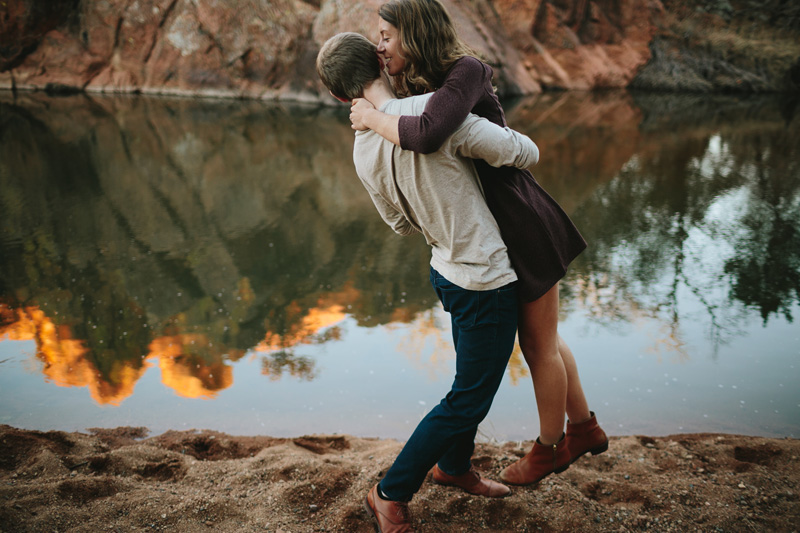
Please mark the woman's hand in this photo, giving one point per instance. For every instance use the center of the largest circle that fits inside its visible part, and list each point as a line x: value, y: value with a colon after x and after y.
x: 357, y: 110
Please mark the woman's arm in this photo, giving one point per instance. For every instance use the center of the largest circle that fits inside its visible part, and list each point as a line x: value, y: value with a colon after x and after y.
x: 364, y: 116
x: 464, y: 86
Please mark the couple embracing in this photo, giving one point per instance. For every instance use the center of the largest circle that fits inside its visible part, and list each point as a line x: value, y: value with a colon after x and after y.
x: 441, y: 161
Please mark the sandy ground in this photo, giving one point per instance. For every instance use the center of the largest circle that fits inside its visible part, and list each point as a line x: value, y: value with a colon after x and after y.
x: 119, y: 480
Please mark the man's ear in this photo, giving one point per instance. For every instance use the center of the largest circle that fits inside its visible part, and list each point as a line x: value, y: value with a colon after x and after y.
x: 345, y: 100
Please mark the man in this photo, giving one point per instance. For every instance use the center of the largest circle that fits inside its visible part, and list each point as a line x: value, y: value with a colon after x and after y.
x: 439, y: 195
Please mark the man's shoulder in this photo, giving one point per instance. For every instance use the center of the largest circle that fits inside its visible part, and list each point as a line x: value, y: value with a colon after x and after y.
x: 371, y: 152
x: 411, y: 105
x: 365, y: 140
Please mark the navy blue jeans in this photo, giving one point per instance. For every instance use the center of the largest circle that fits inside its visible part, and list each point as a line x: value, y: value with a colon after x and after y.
x: 484, y: 329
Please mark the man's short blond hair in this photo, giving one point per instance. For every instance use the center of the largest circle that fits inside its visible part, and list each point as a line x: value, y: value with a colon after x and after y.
x: 346, y: 63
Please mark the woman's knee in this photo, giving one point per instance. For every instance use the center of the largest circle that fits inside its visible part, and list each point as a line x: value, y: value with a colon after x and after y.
x: 535, y: 351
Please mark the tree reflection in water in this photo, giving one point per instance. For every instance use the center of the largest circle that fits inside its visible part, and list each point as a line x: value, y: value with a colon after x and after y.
x: 188, y: 234
x: 703, y: 197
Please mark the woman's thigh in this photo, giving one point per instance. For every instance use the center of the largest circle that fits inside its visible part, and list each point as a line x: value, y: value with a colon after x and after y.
x: 538, y: 324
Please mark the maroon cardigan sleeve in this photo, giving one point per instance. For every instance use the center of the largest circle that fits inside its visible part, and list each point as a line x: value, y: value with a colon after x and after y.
x: 464, y: 86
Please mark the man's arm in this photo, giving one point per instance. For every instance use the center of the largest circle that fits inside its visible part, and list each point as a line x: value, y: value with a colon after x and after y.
x: 478, y: 138
x: 394, y: 218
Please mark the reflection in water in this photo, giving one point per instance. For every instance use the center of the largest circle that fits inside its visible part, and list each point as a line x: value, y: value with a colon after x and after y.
x: 188, y: 233
x: 190, y: 365
x: 316, y: 325
x: 64, y: 358
x: 184, y: 234
x: 702, y: 198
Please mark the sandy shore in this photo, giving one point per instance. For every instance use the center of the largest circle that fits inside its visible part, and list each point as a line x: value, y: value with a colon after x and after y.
x: 119, y: 480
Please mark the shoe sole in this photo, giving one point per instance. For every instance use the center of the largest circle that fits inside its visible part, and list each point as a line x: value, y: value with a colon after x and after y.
x: 371, y: 514
x: 594, y: 451
x: 600, y: 449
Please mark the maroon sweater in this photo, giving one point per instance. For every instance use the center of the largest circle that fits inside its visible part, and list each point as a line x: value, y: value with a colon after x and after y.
x: 541, y: 239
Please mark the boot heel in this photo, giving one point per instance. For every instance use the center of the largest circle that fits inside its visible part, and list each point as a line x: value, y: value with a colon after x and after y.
x: 600, y: 449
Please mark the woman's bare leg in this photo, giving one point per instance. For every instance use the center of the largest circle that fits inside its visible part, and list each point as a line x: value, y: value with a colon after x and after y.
x: 558, y: 390
x: 538, y: 338
x: 556, y: 384
x: 577, y: 407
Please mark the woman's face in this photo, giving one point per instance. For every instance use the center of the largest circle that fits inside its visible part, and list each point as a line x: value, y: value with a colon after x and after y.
x: 390, y: 49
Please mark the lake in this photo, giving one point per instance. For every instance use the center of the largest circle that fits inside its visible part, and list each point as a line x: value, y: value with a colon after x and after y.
x: 180, y: 264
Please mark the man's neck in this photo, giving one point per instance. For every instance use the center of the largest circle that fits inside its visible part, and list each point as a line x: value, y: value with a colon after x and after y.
x: 378, y: 92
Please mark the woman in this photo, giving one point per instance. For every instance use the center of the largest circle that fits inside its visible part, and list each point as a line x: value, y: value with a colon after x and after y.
x: 420, y: 49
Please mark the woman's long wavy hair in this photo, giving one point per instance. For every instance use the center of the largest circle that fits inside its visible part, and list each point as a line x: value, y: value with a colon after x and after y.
x: 429, y: 43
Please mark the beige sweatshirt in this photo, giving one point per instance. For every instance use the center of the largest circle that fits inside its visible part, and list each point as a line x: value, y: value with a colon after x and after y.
x: 439, y: 194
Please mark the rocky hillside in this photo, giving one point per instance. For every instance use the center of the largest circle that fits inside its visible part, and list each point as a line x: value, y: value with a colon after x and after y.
x: 266, y: 48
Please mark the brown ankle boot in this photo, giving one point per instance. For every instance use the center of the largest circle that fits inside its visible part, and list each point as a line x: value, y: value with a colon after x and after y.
x: 539, y: 462
x: 584, y: 437
x: 472, y: 482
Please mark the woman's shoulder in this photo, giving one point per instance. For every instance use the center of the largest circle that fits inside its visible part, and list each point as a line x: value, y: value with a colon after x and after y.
x: 470, y: 67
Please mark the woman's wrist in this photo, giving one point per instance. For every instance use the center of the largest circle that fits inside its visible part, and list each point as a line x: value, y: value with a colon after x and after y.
x: 388, y: 126
x: 372, y: 118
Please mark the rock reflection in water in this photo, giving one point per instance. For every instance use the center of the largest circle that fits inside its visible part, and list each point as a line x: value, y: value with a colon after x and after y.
x: 188, y: 234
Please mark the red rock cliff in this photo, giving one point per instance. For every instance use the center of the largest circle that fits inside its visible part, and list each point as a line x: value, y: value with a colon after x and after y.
x: 266, y: 49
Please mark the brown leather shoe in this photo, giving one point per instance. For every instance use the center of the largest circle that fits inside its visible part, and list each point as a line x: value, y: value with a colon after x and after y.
x: 390, y: 517
x: 586, y: 436
x: 538, y: 463
x: 472, y: 482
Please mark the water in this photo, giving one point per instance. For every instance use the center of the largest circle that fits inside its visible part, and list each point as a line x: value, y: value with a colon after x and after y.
x: 178, y: 264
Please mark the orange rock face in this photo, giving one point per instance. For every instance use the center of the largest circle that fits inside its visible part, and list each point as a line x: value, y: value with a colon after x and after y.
x: 580, y: 44
x: 267, y: 50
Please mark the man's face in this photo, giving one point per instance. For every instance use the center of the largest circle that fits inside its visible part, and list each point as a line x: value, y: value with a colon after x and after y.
x: 389, y: 48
